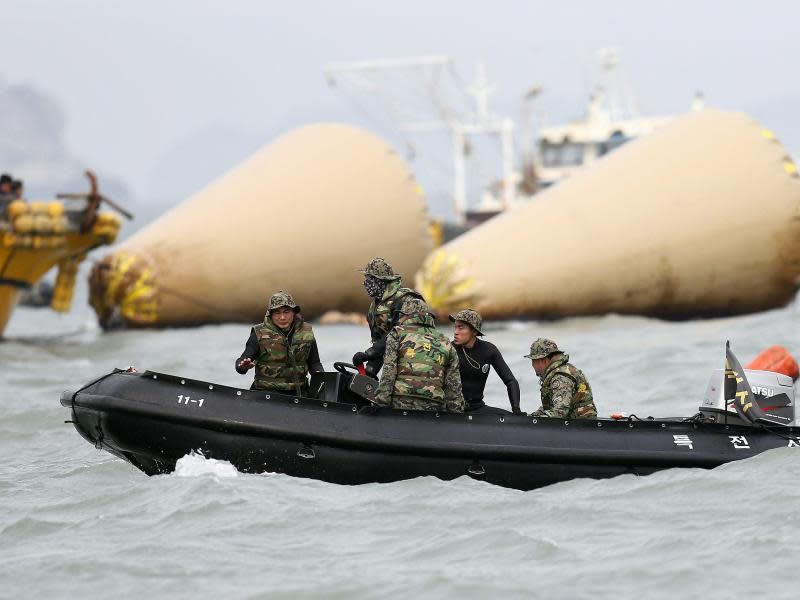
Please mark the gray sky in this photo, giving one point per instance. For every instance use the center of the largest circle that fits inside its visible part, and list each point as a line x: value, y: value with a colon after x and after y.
x: 139, y: 80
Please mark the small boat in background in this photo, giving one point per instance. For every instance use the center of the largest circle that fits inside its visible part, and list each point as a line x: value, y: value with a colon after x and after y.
x: 36, y: 236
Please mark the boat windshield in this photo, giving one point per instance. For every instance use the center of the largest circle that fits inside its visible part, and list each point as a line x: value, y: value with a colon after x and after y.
x: 565, y: 154
x: 614, y: 141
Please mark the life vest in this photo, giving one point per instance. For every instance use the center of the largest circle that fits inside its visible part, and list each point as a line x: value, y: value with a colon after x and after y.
x: 582, y: 404
x: 422, y: 356
x: 282, y: 363
x: 379, y: 315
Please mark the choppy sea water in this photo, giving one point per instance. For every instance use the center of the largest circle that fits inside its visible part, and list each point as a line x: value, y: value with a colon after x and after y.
x: 77, y: 522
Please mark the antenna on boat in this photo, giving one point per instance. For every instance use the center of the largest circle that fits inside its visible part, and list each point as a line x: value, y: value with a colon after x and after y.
x: 725, y: 385
x: 530, y: 158
x: 622, y: 103
x: 698, y: 101
x: 93, y: 198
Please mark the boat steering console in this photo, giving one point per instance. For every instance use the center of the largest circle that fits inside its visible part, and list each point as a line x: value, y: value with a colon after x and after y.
x: 346, y: 384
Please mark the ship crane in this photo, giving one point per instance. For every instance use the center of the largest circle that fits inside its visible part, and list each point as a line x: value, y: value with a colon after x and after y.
x: 461, y: 125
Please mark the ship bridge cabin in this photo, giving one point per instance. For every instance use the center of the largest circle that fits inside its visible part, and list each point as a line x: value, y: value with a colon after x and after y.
x: 566, y: 148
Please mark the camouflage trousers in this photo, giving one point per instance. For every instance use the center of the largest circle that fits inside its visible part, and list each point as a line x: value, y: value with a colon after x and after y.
x: 415, y: 403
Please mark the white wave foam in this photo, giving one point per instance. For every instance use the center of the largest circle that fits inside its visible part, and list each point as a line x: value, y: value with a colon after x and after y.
x: 195, y: 464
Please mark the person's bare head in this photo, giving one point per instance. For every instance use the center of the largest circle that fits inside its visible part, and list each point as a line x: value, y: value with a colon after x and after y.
x: 540, y: 364
x: 467, y: 325
x: 464, y: 334
x: 282, y: 317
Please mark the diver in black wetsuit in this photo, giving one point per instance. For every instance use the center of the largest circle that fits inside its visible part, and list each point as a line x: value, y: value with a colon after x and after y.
x: 475, y: 357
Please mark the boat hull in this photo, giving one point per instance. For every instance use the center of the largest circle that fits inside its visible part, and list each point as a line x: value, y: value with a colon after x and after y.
x: 152, y: 420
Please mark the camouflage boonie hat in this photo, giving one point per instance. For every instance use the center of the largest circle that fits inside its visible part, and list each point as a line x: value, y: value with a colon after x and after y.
x: 541, y: 348
x: 380, y: 269
x: 415, y: 306
x: 281, y: 299
x: 470, y: 317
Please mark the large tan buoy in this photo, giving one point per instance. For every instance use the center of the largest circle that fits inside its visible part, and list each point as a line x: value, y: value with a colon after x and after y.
x: 302, y: 215
x: 700, y: 218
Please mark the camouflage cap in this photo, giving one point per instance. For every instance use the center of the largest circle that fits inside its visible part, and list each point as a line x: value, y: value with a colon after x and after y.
x: 470, y: 317
x: 280, y: 299
x: 541, y: 347
x: 415, y: 306
x: 379, y: 268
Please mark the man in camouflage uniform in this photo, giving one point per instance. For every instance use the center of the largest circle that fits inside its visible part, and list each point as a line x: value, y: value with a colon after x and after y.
x: 420, y: 370
x: 565, y: 391
x: 386, y: 289
x: 282, y: 349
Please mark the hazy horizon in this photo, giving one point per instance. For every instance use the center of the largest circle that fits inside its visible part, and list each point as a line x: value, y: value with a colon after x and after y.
x: 167, y: 96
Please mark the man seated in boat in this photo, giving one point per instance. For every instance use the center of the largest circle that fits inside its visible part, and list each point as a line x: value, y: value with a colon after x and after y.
x: 420, y: 369
x: 476, y: 358
x: 385, y: 287
x: 282, y: 349
x: 565, y: 391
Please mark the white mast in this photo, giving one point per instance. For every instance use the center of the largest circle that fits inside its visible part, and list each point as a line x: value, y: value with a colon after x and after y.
x: 366, y: 76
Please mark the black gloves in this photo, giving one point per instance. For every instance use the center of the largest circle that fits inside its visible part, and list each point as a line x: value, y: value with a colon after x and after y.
x: 359, y: 358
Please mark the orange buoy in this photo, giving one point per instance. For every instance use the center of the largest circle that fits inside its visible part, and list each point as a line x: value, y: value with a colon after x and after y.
x: 776, y: 359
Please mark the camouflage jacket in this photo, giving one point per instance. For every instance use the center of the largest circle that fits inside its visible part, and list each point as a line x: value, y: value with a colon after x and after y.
x: 565, y: 392
x: 420, y: 370
x: 381, y: 313
x: 282, y: 361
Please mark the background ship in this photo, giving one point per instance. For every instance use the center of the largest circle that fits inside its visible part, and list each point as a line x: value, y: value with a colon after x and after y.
x: 420, y: 96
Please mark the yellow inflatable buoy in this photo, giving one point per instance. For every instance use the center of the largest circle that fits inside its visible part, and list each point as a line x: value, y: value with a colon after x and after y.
x: 24, y: 223
x: 55, y: 209
x: 17, y: 208
x: 699, y: 218
x: 38, y: 207
x: 302, y: 214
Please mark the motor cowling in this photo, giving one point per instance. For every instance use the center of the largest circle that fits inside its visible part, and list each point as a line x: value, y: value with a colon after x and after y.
x: 774, y: 393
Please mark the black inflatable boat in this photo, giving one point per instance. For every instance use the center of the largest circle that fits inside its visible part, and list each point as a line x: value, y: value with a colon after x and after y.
x: 151, y: 420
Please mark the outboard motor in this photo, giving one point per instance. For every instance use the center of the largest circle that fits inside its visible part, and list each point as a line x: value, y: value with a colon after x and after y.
x: 774, y: 395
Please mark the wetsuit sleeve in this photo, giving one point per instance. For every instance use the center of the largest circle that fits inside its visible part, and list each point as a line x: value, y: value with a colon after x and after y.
x: 563, y: 391
x: 251, y: 350
x: 502, y: 370
x: 453, y: 395
x: 383, y: 395
x: 377, y: 349
x: 313, y: 362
